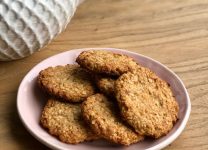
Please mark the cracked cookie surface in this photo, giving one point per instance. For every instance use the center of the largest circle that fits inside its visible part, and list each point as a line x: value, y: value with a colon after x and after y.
x: 71, y: 82
x: 146, y: 102
x: 65, y: 121
x: 105, y: 62
x: 104, y: 118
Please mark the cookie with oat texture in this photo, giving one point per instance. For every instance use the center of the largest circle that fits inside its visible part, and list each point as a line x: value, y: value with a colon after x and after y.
x: 64, y: 120
x: 146, y: 102
x: 71, y: 82
x: 105, y: 84
x: 104, y: 119
x: 106, y: 62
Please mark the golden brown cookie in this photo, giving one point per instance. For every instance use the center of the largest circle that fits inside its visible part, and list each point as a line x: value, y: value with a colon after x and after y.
x: 146, y: 102
x: 103, y: 117
x: 105, y: 85
x: 106, y: 62
x: 70, y: 82
x: 64, y: 120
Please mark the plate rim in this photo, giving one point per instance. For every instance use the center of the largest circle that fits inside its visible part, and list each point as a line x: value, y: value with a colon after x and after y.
x: 156, y: 147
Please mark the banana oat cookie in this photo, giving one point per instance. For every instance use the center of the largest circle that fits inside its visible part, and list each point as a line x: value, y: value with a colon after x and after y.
x: 146, y: 102
x: 106, y: 62
x: 104, y: 119
x: 70, y: 82
x: 64, y: 120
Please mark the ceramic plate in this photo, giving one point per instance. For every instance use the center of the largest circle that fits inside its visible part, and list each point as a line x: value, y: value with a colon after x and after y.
x: 30, y: 102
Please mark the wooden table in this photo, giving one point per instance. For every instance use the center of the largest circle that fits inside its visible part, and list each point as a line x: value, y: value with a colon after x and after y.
x: 174, y: 32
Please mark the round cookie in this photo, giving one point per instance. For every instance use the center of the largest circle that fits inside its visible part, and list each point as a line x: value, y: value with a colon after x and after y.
x: 106, y: 62
x: 106, y: 85
x: 70, y: 82
x: 64, y: 120
x: 103, y: 117
x: 146, y: 102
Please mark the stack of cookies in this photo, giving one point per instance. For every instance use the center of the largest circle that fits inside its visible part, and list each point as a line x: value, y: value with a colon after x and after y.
x: 107, y: 96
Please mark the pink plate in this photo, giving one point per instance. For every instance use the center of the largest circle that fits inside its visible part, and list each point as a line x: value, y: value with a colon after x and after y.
x: 30, y: 102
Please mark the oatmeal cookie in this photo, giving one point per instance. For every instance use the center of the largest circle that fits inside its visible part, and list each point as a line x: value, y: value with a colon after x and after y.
x: 71, y: 82
x: 103, y: 117
x: 106, y: 62
x: 146, y: 102
x: 64, y: 120
x: 105, y: 85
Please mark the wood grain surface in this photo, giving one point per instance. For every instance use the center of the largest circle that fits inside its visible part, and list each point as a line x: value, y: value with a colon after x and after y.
x: 174, y: 32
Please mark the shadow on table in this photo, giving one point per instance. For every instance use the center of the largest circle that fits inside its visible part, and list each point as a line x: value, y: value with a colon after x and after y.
x: 20, y: 134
